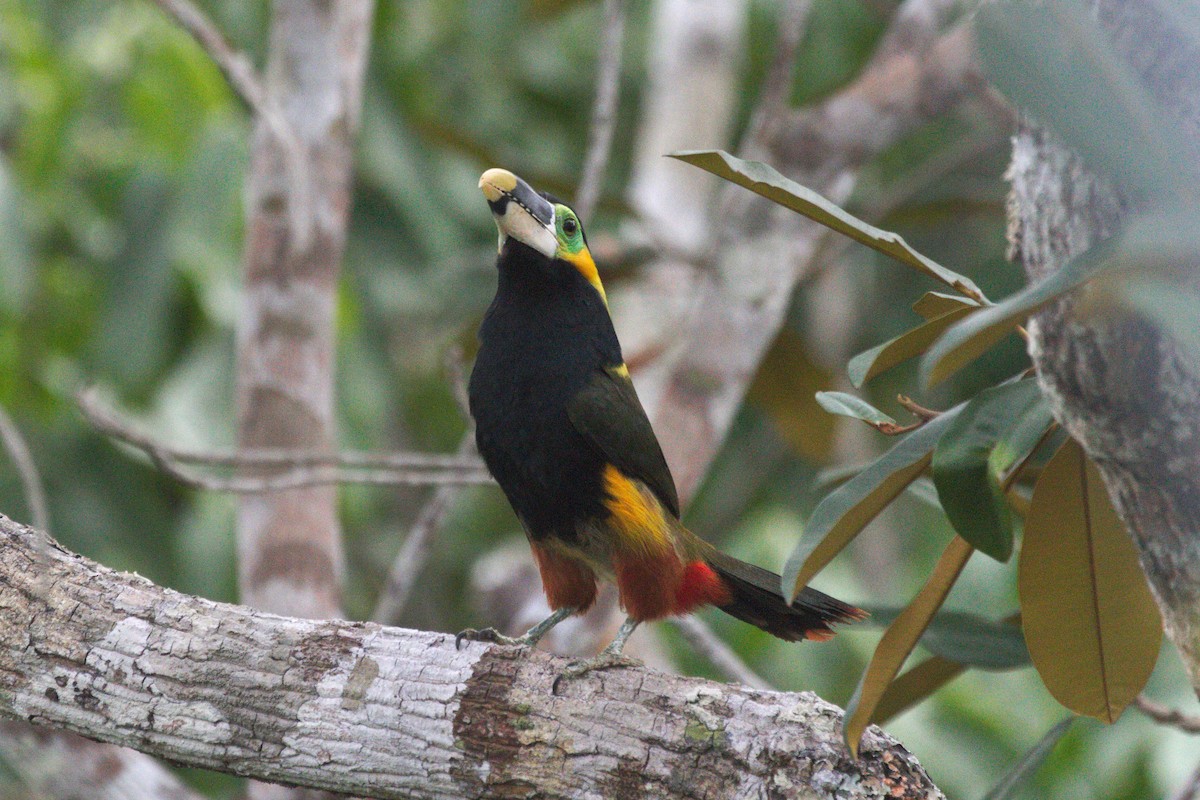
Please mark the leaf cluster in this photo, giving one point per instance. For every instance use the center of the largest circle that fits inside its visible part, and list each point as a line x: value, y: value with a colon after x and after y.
x: 1004, y: 474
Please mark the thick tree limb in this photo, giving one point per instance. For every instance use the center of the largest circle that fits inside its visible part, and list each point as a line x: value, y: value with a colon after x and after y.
x: 1126, y: 390
x: 389, y: 713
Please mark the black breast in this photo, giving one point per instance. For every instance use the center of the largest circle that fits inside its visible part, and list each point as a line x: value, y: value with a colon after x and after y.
x: 546, y: 333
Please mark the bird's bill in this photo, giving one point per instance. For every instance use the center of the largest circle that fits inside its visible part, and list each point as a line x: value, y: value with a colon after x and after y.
x: 520, y: 212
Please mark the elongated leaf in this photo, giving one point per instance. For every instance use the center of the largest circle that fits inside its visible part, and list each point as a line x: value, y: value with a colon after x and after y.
x: 1051, y: 58
x: 936, y: 671
x: 900, y: 639
x: 922, y: 489
x: 1029, y: 763
x: 846, y: 510
x: 934, y: 304
x: 1092, y: 627
x: 868, y: 364
x: 915, y: 685
x: 847, y: 405
x: 968, y: 485
x: 968, y: 639
x: 974, y: 335
x: 766, y: 181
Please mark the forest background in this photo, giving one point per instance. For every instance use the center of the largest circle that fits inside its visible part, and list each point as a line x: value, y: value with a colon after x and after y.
x: 123, y: 162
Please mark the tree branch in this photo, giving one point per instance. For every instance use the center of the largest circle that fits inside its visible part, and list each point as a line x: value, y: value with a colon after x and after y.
x: 763, y: 251
x: 31, y: 480
x: 288, y: 468
x: 1165, y: 715
x: 390, y: 713
x: 243, y: 79
x: 604, y: 110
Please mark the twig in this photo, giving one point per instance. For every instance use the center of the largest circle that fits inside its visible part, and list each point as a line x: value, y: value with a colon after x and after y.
x: 31, y: 480
x: 456, y: 373
x: 417, y: 545
x: 304, y: 468
x: 777, y: 83
x: 705, y: 642
x: 1190, y: 790
x: 604, y: 110
x: 1163, y: 715
x: 919, y: 411
x: 245, y: 82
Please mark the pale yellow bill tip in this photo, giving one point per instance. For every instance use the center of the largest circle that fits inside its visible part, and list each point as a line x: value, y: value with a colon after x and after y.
x: 496, y: 182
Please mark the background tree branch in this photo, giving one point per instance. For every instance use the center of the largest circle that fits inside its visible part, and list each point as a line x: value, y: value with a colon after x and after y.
x: 389, y: 713
x: 762, y: 251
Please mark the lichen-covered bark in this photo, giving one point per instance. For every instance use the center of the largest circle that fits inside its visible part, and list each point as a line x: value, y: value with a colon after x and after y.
x: 389, y: 713
x: 1127, y: 391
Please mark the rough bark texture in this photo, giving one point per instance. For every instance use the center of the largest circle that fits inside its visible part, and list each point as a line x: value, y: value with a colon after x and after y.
x: 389, y: 713
x: 289, y: 541
x: 1123, y: 388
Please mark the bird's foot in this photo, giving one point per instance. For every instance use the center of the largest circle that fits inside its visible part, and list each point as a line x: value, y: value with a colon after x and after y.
x: 531, y: 637
x: 604, y: 660
x: 491, y: 635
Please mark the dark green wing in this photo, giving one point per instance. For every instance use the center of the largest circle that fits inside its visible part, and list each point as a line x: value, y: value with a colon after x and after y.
x: 609, y: 415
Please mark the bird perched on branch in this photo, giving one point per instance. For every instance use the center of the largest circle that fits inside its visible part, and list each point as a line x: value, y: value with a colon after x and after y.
x: 559, y: 425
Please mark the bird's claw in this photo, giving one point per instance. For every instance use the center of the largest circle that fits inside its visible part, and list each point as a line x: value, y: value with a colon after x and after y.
x: 488, y: 635
x: 602, y: 661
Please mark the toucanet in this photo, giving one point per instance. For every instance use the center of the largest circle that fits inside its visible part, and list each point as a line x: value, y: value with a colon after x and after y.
x: 560, y: 427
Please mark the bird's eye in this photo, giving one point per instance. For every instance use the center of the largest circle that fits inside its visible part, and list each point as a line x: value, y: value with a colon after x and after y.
x: 570, y: 226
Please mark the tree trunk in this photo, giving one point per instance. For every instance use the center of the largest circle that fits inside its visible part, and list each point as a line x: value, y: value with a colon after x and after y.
x: 298, y: 199
x: 1125, y: 389
x: 383, y: 712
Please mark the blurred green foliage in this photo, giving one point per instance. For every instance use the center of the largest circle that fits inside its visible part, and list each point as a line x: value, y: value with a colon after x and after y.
x: 122, y: 156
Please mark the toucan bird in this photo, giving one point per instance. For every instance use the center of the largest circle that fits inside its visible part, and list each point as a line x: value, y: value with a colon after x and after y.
x: 560, y: 427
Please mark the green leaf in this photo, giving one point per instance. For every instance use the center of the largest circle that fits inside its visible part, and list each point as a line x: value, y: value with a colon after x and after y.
x: 968, y: 485
x: 868, y: 364
x: 1052, y: 60
x: 935, y: 304
x: 922, y: 489
x: 766, y: 181
x: 847, y: 405
x: 1092, y: 627
x: 1029, y: 763
x: 915, y: 685
x: 968, y: 639
x: 974, y: 335
x: 899, y: 640
x: 846, y: 510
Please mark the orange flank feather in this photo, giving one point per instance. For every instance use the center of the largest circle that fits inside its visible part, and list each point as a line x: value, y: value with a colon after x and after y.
x: 637, y: 517
x: 653, y: 576
x: 566, y: 581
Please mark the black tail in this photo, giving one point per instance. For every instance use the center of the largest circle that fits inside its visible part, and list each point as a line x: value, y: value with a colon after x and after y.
x: 756, y: 599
